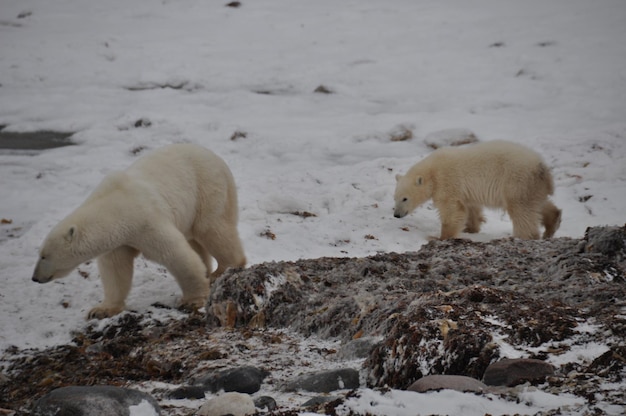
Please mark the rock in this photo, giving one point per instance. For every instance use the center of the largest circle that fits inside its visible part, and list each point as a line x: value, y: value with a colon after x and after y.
x: 188, y: 392
x: 450, y: 137
x: 326, y: 381
x: 606, y: 240
x: 243, y: 380
x: 401, y: 133
x: 265, y: 403
x: 235, y: 404
x: 93, y: 401
x: 511, y: 372
x: 358, y: 348
x: 452, y: 382
x: 317, y: 401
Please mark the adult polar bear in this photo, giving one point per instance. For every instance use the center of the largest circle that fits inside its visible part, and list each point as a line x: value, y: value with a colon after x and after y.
x: 496, y: 174
x: 177, y: 206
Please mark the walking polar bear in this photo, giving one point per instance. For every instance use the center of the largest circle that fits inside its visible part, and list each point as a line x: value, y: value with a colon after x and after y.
x: 496, y: 174
x: 177, y: 206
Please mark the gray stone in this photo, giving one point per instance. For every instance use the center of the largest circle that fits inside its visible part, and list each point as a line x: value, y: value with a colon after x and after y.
x: 92, y: 401
x: 317, y: 401
x: 326, y: 381
x: 243, y: 380
x: 188, y: 392
x: 511, y: 372
x: 265, y: 403
x: 452, y: 382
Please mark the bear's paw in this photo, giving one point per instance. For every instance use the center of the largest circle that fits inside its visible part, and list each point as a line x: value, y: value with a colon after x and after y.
x: 102, y: 311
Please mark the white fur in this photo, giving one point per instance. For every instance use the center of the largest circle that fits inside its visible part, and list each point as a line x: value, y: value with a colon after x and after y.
x: 463, y: 180
x: 177, y: 206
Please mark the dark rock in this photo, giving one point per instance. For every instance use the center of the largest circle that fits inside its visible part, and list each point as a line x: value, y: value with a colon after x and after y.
x: 326, y: 381
x: 440, y: 382
x: 242, y: 380
x: 605, y: 240
x: 316, y: 401
x: 188, y: 392
x: 265, y: 403
x: 91, y: 401
x: 511, y: 372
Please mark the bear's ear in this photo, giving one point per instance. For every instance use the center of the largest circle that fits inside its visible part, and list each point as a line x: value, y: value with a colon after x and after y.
x: 71, y: 233
x: 398, y: 177
x: 419, y: 181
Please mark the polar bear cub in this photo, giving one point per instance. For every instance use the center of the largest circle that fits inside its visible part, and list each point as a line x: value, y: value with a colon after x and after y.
x: 177, y: 206
x: 496, y: 174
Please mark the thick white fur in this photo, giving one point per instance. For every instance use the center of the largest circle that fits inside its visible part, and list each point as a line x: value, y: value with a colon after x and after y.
x: 177, y: 206
x: 496, y: 174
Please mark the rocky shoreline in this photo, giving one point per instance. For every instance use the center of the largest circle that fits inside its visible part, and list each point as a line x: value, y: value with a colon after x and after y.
x: 502, y: 314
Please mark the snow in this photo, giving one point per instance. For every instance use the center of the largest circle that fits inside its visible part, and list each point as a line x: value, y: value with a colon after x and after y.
x: 143, y: 409
x: 551, y: 75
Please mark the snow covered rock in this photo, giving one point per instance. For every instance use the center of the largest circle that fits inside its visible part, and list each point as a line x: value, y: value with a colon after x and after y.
x: 440, y: 381
x: 235, y: 404
x: 94, y: 401
x: 450, y: 137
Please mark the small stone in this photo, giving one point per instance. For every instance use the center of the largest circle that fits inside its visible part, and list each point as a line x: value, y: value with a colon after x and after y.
x: 322, y: 89
x: 511, y: 372
x: 452, y: 382
x: 401, y: 133
x: 235, y: 404
x: 265, y: 403
x: 92, y: 401
x: 326, y: 381
x: 316, y: 401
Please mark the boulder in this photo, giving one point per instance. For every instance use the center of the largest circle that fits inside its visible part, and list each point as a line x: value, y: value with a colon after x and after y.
x: 94, y: 401
x: 452, y: 382
x: 511, y: 372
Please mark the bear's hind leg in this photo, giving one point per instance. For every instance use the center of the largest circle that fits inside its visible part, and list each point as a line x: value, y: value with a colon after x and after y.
x: 550, y: 218
x: 116, y: 274
x: 171, y: 249
x: 474, y: 219
x: 225, y: 246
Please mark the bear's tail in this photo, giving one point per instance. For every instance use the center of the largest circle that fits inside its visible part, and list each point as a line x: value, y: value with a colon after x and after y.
x: 550, y: 218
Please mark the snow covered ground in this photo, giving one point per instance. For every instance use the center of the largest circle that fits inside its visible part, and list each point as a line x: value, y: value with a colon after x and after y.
x: 551, y: 75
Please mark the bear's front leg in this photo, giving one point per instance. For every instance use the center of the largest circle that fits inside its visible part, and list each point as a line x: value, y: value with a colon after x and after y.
x: 453, y: 216
x: 116, y: 273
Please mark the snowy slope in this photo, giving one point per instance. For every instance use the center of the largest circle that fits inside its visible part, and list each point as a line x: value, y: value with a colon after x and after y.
x: 551, y: 75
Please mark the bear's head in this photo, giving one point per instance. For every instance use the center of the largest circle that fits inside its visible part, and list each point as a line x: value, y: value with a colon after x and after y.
x: 58, y: 255
x: 411, y: 192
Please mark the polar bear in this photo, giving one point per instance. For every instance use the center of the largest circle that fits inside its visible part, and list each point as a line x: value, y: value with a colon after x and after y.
x: 177, y: 206
x: 496, y: 174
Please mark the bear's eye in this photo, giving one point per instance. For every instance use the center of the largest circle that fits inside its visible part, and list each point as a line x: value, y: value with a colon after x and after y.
x: 43, y: 257
x: 405, y: 199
